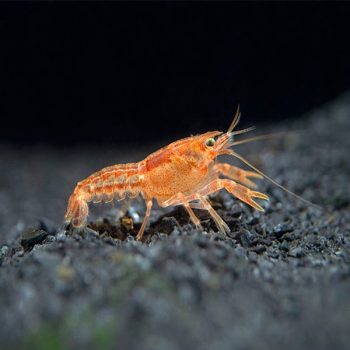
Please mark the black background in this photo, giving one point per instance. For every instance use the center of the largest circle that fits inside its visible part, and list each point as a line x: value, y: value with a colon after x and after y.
x: 125, y: 73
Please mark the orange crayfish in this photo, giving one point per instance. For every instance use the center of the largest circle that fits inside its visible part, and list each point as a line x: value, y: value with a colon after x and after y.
x: 182, y: 173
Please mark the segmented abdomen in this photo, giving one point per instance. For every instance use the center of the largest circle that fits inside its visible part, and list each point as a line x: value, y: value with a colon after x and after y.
x: 114, y: 182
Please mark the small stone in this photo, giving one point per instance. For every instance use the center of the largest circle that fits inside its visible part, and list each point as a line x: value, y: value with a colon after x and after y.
x: 159, y: 236
x: 89, y: 233
x: 49, y: 239
x: 176, y: 232
x: 32, y: 237
x: 61, y: 237
x: 259, y: 249
x: 236, y: 212
x: 3, y: 251
x: 266, y: 241
x: 254, y: 221
x: 284, y: 246
x: 273, y: 254
x: 281, y: 229
x: 289, y: 237
x: 297, y: 252
x: 201, y: 241
x: 109, y: 240
x: 246, y: 238
x: 167, y: 225
x: 126, y: 224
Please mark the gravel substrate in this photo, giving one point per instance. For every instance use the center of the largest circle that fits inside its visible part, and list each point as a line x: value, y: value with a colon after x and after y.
x: 279, y: 280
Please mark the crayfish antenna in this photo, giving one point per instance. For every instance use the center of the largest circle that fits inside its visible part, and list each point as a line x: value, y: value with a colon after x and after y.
x: 235, y: 120
x: 262, y: 137
x: 245, y: 161
x: 243, y: 131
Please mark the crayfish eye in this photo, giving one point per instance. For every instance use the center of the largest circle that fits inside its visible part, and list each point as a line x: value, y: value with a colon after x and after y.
x: 210, y: 142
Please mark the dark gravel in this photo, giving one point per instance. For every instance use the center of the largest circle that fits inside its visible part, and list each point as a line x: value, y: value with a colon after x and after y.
x: 280, y: 279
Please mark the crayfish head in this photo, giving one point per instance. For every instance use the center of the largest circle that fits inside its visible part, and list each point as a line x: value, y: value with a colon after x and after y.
x: 212, y: 144
x: 217, y: 143
x: 197, y: 150
x: 204, y: 148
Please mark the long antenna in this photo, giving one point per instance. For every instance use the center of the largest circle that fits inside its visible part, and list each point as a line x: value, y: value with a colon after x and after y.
x: 235, y: 120
x: 261, y: 137
x: 243, y: 131
x: 233, y: 153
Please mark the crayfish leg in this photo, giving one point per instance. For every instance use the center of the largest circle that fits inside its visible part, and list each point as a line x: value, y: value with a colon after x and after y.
x: 145, y: 220
x: 237, y: 174
x: 180, y: 199
x: 243, y: 193
x: 220, y: 223
x: 193, y: 216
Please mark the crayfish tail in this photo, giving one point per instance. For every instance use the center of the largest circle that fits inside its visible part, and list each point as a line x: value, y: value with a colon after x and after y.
x: 77, y: 210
